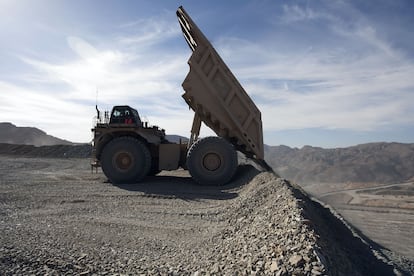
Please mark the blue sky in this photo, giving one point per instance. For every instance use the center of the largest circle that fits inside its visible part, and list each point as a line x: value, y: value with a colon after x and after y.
x: 323, y: 73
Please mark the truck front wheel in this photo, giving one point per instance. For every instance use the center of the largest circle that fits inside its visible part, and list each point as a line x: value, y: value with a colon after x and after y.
x: 125, y: 160
x: 212, y: 161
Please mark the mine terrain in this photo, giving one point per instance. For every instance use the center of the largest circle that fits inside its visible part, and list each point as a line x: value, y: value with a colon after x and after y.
x: 370, y: 185
x: 58, y: 217
x: 384, y: 212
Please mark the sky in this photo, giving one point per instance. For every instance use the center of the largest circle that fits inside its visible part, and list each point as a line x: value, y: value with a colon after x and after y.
x: 331, y: 73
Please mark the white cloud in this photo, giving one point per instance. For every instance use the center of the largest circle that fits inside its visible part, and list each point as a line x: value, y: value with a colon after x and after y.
x: 60, y: 97
x: 358, y: 83
x: 149, y: 31
x: 295, y: 13
x: 55, y: 115
x: 361, y: 95
x: 121, y: 73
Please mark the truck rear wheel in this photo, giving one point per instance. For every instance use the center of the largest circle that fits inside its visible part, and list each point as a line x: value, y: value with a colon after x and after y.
x: 125, y: 160
x: 212, y: 161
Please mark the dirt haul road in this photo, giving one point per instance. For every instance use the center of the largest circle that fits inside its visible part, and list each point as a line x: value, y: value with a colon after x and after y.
x: 57, y: 218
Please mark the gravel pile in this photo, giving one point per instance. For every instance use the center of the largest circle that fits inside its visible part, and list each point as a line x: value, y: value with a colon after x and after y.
x: 266, y: 233
x: 56, y: 218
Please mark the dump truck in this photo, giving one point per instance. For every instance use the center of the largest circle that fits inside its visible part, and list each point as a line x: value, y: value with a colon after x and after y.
x: 128, y: 150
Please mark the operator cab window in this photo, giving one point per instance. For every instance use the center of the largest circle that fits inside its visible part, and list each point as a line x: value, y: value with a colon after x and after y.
x: 125, y: 115
x: 136, y: 117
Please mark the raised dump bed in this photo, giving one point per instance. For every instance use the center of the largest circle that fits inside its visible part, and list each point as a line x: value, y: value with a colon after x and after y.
x: 217, y: 97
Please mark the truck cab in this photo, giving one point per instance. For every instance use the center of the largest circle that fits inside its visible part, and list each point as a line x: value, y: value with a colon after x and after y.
x: 124, y: 115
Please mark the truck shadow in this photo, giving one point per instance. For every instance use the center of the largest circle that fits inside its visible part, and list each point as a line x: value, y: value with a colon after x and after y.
x: 184, y: 187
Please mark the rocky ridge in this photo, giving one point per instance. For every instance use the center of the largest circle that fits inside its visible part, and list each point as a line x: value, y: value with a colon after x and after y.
x: 366, y: 163
x: 11, y: 134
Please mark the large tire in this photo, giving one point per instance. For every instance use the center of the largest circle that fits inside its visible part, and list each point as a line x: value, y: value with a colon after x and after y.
x: 154, y: 168
x: 212, y: 161
x: 125, y: 160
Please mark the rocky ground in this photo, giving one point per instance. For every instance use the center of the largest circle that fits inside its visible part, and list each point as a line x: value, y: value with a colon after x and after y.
x: 385, y: 213
x: 56, y: 217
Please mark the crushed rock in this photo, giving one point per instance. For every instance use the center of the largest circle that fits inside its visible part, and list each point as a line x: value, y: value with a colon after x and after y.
x: 258, y: 225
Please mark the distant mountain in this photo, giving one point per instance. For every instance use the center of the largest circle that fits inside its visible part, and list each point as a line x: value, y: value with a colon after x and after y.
x: 176, y: 138
x: 373, y: 162
x: 12, y: 134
